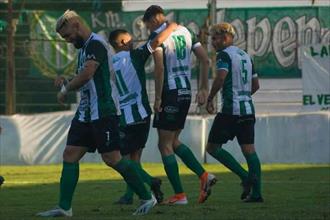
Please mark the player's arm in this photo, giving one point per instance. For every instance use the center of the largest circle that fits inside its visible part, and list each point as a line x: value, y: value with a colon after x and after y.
x: 222, y: 68
x: 159, y: 79
x: 86, y: 73
x: 162, y: 36
x: 95, y: 54
x: 217, y: 83
x: 255, y: 81
x: 203, y: 74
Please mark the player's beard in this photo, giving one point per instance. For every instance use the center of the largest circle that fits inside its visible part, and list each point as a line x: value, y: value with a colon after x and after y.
x: 79, y: 42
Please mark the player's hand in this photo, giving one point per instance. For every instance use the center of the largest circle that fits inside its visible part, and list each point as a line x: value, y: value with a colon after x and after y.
x: 201, y: 97
x: 173, y: 26
x: 61, y: 97
x: 210, y: 107
x: 59, y: 81
x: 157, y: 105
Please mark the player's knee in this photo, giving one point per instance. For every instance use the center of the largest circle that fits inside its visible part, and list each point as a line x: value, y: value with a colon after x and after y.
x: 176, y: 143
x: 210, y: 148
x: 248, y: 149
x: 165, y: 149
x: 135, y: 156
x: 69, y: 155
x: 111, y: 158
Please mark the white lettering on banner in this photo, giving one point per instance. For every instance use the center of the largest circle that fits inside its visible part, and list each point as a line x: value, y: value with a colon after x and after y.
x: 239, y: 38
x: 95, y: 20
x: 316, y: 77
x: 284, y: 41
x: 308, y: 33
x: 107, y: 19
x: 139, y: 29
x: 112, y: 19
x: 259, y: 36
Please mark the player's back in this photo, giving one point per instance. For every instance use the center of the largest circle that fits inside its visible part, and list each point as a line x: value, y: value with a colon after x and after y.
x: 131, y: 86
x: 236, y: 91
x: 177, y: 61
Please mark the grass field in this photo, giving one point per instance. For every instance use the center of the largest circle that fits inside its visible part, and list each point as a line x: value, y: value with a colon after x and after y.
x: 290, y: 192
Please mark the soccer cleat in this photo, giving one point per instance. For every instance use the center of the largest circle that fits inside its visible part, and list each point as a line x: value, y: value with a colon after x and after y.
x: 146, y: 206
x: 177, y: 199
x: 124, y: 201
x: 247, y: 186
x: 155, y: 187
x: 207, y: 181
x: 246, y: 189
x: 56, y: 212
x: 250, y: 199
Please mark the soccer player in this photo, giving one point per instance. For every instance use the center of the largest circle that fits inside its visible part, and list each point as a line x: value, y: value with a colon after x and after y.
x: 96, y: 122
x: 238, y: 81
x: 129, y: 64
x: 173, y: 98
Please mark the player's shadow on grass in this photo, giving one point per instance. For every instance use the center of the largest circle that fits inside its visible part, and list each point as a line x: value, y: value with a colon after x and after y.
x: 289, y: 194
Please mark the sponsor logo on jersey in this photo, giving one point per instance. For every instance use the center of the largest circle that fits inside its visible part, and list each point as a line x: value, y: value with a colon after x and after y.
x: 171, y: 109
x: 184, y: 92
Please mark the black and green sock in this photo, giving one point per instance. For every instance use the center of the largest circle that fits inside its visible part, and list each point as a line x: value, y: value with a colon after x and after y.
x: 172, y: 171
x: 254, y: 173
x: 144, y: 175
x: 230, y: 162
x: 129, y: 192
x: 130, y: 173
x: 189, y: 159
x: 68, y: 182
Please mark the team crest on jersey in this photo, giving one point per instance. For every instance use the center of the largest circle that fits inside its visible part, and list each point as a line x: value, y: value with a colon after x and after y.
x: 90, y: 57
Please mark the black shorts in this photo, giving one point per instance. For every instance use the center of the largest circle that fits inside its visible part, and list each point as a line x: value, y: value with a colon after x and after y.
x: 134, y: 136
x: 175, y: 106
x: 101, y: 134
x: 227, y: 127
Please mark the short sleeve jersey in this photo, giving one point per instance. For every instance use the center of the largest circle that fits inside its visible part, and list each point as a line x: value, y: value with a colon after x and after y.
x: 99, y: 96
x: 236, y: 92
x: 177, y: 50
x: 131, y: 84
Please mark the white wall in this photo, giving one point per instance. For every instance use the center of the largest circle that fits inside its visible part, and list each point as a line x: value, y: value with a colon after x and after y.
x: 280, y: 138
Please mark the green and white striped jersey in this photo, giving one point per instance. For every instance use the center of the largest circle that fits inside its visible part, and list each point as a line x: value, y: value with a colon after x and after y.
x: 99, y: 96
x: 236, y: 91
x: 177, y: 50
x: 131, y: 84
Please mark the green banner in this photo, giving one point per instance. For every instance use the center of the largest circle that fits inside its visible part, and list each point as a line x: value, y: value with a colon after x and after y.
x: 271, y: 36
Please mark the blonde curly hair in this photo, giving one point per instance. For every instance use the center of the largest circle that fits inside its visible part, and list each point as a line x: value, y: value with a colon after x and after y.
x: 63, y: 19
x: 222, y: 28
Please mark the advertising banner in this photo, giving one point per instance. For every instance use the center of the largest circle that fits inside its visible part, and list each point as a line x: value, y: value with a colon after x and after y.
x: 272, y: 36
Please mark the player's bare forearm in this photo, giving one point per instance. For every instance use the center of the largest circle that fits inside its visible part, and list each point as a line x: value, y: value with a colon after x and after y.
x: 83, y: 76
x: 217, y: 83
x: 160, y: 38
x: 216, y: 86
x: 159, y: 80
x: 159, y: 73
x: 204, y: 67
